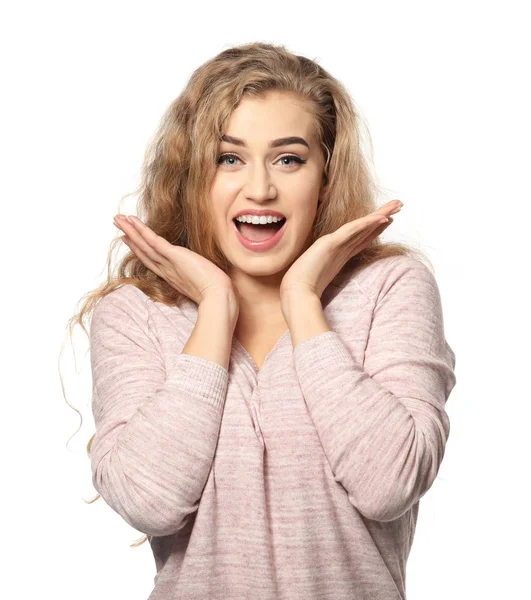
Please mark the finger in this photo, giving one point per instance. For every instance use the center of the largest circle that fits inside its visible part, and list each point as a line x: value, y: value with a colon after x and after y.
x: 383, y: 226
x: 390, y: 208
x: 145, y: 239
x: 142, y: 256
x: 371, y: 231
x: 138, y: 236
x: 376, y: 231
x: 379, y: 226
x: 367, y: 223
x: 353, y: 231
x: 363, y: 242
x: 360, y: 225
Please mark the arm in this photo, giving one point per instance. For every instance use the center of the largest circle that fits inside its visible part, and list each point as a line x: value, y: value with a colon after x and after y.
x: 382, y: 425
x: 156, y: 431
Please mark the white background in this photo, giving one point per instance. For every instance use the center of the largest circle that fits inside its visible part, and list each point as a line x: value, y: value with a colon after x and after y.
x: 444, y: 90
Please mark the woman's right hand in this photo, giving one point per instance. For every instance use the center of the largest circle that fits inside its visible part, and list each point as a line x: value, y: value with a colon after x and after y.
x: 188, y: 272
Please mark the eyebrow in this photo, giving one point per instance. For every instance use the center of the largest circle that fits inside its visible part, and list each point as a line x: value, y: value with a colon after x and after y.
x: 286, y: 141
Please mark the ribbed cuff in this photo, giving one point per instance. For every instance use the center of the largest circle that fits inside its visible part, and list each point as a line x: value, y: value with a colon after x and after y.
x: 200, y: 377
x: 320, y: 351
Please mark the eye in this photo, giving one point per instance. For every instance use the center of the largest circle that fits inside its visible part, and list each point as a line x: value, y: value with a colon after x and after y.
x: 290, y: 157
x: 223, y: 157
x: 296, y: 159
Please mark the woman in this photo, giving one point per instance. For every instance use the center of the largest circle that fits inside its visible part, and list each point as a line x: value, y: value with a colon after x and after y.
x: 268, y: 393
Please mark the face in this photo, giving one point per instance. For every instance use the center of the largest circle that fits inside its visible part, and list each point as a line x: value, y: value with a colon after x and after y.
x: 285, y: 178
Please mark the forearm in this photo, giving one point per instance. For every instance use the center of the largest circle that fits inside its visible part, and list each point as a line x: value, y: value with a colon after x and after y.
x: 157, y: 422
x: 384, y: 448
x: 155, y: 444
x: 379, y: 407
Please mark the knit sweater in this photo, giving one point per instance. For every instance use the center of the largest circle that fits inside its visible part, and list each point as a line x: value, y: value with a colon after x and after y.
x: 300, y: 479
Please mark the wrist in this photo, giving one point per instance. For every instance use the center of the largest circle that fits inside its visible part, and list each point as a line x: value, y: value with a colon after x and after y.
x: 294, y: 302
x: 222, y: 303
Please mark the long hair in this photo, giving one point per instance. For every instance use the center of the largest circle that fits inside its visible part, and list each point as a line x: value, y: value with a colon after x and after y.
x: 180, y: 162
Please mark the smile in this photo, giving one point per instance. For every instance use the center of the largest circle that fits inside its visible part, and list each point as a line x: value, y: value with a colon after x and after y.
x: 263, y: 244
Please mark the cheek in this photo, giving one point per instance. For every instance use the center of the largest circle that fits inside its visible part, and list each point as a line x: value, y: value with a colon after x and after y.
x: 226, y: 184
x: 304, y: 204
x: 220, y: 206
x: 307, y: 190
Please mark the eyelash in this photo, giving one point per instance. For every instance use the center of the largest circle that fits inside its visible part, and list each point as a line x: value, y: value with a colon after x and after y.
x: 297, y: 159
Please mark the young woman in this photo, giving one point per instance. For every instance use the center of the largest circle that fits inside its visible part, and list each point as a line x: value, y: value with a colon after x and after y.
x: 269, y: 377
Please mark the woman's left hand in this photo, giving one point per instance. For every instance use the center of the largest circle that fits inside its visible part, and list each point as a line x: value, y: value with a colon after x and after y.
x: 321, y: 262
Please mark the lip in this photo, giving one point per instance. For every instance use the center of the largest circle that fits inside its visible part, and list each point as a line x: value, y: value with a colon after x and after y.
x: 260, y: 246
x: 259, y: 213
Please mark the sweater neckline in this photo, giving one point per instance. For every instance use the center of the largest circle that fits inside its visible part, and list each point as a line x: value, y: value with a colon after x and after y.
x: 240, y: 349
x: 189, y: 308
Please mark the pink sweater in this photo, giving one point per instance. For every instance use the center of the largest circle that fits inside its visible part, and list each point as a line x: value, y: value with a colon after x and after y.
x: 298, y: 480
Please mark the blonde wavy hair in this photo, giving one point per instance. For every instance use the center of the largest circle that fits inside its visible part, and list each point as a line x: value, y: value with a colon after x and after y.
x: 181, y: 158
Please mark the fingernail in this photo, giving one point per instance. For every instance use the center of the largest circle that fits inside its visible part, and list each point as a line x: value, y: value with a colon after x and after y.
x: 384, y: 220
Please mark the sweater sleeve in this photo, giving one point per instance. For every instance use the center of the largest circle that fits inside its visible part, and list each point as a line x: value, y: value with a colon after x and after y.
x: 156, y: 431
x: 383, y: 424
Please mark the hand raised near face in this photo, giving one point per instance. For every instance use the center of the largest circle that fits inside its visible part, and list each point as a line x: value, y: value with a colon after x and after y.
x: 188, y: 272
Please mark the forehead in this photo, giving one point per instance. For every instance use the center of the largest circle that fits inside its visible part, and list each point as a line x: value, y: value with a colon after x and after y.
x: 269, y: 116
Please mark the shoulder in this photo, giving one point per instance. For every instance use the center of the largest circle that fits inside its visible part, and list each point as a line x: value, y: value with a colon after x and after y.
x: 403, y: 274
x: 124, y: 304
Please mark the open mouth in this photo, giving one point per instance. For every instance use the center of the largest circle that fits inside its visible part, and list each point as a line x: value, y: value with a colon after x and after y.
x: 258, y: 233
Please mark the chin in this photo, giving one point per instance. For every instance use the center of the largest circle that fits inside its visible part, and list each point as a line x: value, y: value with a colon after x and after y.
x: 265, y: 266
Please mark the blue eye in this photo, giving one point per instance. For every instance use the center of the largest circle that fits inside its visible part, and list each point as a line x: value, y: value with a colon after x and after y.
x: 290, y: 157
x: 298, y: 160
x: 224, y: 156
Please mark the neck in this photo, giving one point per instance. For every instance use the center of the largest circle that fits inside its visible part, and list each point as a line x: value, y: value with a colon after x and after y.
x: 259, y: 299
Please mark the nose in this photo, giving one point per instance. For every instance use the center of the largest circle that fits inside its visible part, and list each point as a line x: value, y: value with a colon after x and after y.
x: 259, y: 186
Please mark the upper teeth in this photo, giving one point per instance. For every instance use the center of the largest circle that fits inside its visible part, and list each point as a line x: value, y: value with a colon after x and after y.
x: 256, y: 220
